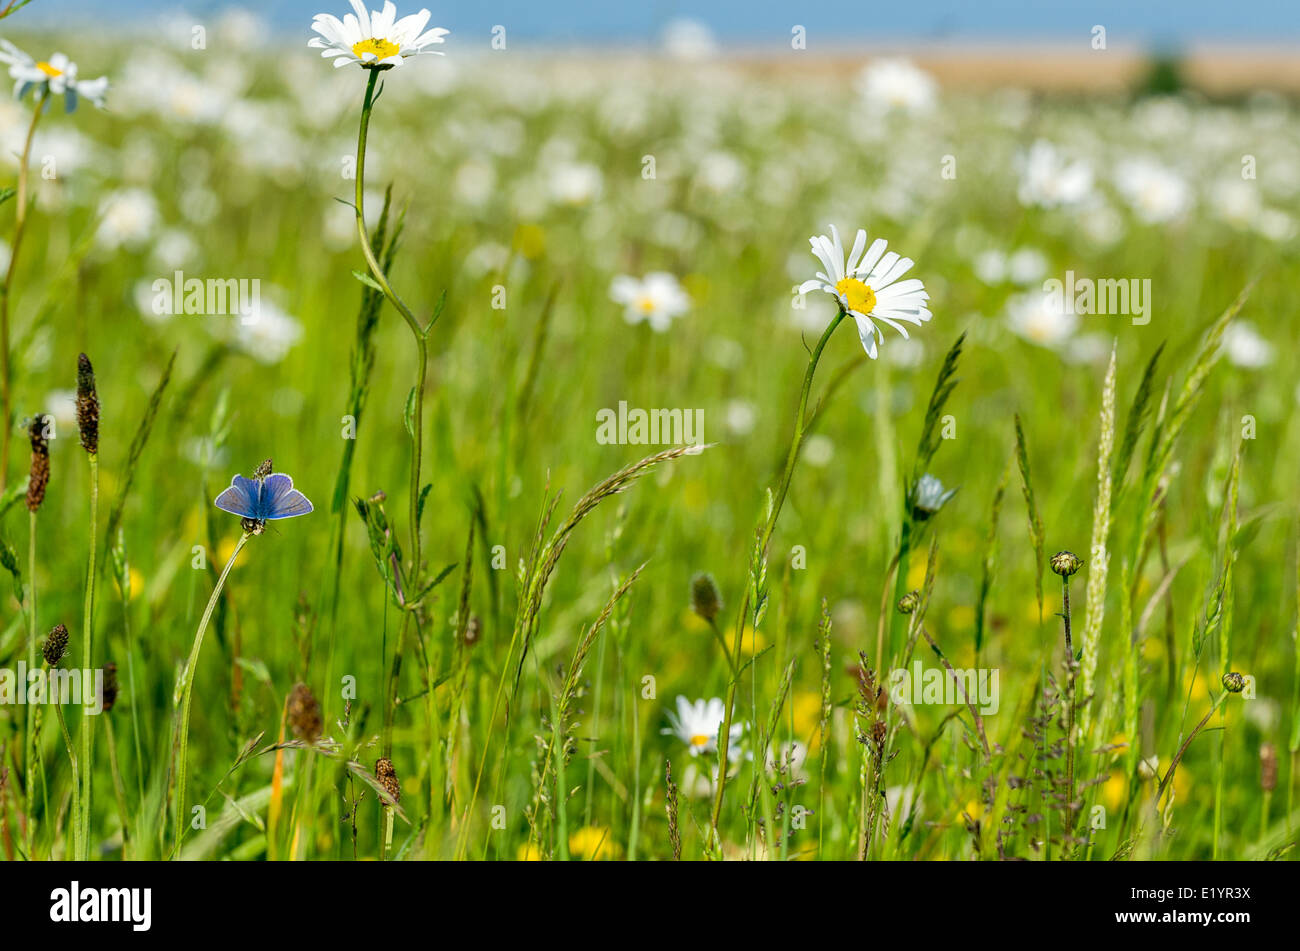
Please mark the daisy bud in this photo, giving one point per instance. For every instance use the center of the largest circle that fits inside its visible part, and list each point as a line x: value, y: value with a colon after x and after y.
x: 87, y: 405
x: 1066, y: 563
x: 110, y: 686
x: 705, y: 599
x: 909, y: 602
x: 56, y: 643
x: 1234, y: 682
x: 387, y: 776
x: 40, y: 472
x: 304, y: 714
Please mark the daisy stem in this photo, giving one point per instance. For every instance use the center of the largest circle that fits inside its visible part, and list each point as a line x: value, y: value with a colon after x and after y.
x: 186, y: 691
x: 20, y: 225
x: 800, y: 427
x: 422, y: 356
x: 796, y: 443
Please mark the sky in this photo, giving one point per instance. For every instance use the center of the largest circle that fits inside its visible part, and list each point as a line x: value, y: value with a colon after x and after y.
x: 759, y: 23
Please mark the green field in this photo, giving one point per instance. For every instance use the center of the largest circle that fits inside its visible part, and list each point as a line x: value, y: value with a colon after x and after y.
x: 517, y: 655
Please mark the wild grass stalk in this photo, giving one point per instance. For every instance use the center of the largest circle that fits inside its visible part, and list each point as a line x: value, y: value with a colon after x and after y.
x: 38, y: 480
x: 7, y: 289
x: 88, y: 427
x: 185, y: 693
x: 1099, y: 553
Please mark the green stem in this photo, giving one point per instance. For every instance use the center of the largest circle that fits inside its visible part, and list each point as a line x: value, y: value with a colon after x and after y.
x: 422, y: 355
x: 796, y: 443
x: 87, y: 627
x: 30, y: 759
x: 186, y: 693
x: 77, y: 845
x: 20, y: 226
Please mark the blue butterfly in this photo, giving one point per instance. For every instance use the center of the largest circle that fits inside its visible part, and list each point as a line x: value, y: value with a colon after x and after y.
x: 262, y: 499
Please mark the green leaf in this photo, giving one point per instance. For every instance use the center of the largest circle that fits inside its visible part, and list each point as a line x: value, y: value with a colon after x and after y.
x: 409, y: 414
x: 367, y: 280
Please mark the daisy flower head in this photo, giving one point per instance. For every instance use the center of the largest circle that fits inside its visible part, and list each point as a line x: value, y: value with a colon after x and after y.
x: 374, y: 40
x: 656, y: 298
x: 697, y: 725
x: 56, y: 76
x: 867, y: 286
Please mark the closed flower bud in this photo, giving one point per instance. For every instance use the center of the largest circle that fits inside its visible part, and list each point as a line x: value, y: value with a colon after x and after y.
x: 387, y: 776
x: 1066, y: 563
x: 705, y: 599
x: 87, y: 405
x: 1234, y: 682
x: 40, y: 471
x: 909, y: 602
x: 56, y: 643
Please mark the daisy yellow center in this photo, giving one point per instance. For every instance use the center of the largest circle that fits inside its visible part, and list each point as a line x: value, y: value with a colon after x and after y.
x: 699, y: 739
x: 379, y: 48
x: 49, y: 70
x: 645, y: 304
x: 859, y: 296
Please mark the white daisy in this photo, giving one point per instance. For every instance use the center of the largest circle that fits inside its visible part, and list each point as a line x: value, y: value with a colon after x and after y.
x: 698, y: 724
x: 1049, y: 180
x: 56, y: 76
x: 1041, y: 318
x: 1156, y: 192
x: 864, y: 285
x: 1245, y: 347
x: 656, y: 298
x: 376, y: 40
x: 896, y: 83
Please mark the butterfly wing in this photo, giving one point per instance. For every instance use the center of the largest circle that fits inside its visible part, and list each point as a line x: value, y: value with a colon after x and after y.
x: 279, y: 499
x: 240, y: 498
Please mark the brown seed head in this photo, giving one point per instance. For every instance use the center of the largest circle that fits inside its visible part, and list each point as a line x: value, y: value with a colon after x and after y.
x: 1268, y: 767
x: 40, y: 474
x: 387, y: 776
x: 56, y: 643
x: 304, y: 714
x: 706, y: 601
x: 263, y: 470
x: 110, y: 686
x: 87, y: 405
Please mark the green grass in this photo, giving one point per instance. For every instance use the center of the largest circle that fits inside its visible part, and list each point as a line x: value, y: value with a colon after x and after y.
x: 546, y: 629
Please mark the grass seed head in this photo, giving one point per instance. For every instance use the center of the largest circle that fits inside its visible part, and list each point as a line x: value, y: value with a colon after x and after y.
x: 705, y: 599
x: 1066, y: 563
x: 304, y: 714
x: 87, y: 405
x: 39, y: 478
x: 56, y: 643
x: 387, y: 776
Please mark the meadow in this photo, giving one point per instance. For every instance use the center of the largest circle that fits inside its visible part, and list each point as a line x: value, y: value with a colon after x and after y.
x: 507, y: 633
